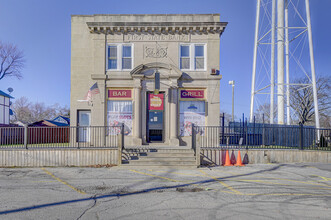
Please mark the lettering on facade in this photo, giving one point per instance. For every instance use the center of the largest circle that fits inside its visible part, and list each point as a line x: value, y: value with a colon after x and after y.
x: 119, y: 93
x: 192, y: 94
x: 156, y: 52
x: 150, y: 37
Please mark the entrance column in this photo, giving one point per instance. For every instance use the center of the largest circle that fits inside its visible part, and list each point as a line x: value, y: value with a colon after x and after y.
x: 137, y: 113
x: 174, y: 117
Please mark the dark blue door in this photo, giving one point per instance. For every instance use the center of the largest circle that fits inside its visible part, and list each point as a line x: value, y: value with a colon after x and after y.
x: 155, y: 126
x: 155, y: 117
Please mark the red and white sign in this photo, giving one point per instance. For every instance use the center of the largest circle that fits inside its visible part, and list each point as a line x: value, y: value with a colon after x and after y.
x: 156, y: 102
x: 119, y: 93
x: 192, y: 94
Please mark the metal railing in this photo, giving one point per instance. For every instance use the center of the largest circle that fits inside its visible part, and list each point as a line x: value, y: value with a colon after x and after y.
x: 266, y: 137
x: 61, y: 137
x: 196, y: 143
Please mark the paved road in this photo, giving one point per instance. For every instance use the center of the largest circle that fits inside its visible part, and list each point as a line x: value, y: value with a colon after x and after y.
x: 272, y: 191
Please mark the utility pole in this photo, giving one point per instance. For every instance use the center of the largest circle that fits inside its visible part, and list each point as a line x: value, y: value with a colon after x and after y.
x: 232, y: 83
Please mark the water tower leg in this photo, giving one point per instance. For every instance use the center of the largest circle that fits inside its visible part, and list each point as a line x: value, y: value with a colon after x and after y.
x: 254, y: 59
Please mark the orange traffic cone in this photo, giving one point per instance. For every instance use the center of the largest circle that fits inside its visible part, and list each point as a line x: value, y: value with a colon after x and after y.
x: 239, y: 163
x: 227, y: 159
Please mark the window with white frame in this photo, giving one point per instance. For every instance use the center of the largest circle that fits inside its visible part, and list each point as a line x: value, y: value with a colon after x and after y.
x: 120, y: 56
x: 185, y: 57
x: 192, y: 56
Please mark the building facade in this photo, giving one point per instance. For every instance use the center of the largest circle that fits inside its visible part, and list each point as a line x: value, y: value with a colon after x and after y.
x: 4, y: 108
x: 157, y: 74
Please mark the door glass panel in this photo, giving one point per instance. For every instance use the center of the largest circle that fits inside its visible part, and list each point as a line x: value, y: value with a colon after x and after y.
x: 84, y: 118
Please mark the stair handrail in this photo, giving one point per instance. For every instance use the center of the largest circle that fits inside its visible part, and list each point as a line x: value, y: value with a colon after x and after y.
x: 196, y: 144
x: 120, y: 144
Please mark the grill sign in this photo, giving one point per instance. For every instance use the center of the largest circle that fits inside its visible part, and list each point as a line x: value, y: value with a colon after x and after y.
x: 119, y: 93
x: 192, y: 94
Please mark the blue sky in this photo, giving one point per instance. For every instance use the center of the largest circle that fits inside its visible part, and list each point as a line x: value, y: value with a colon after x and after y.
x: 41, y: 28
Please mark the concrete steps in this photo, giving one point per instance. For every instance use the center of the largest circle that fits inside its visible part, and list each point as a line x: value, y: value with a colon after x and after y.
x: 159, y: 158
x: 162, y: 167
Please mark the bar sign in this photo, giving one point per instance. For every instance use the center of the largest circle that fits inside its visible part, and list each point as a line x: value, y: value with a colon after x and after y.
x: 119, y: 93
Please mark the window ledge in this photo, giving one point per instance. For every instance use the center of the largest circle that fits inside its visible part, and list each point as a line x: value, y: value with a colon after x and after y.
x: 185, y: 70
x: 98, y: 76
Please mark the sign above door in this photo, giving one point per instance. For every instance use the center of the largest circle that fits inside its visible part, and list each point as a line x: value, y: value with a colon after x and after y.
x: 156, y: 102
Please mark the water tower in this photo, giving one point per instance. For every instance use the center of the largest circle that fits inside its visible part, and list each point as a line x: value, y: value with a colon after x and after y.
x: 283, y: 50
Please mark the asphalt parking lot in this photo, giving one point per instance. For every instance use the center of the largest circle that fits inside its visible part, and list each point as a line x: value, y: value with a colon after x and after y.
x: 270, y: 191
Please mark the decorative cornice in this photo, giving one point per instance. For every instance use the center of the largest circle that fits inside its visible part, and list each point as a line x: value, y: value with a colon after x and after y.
x: 156, y: 27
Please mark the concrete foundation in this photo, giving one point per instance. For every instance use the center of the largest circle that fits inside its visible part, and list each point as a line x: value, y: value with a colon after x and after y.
x: 87, y: 157
x: 217, y: 156
x: 57, y: 157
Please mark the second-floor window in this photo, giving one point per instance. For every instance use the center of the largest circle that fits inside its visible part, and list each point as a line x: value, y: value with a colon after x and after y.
x: 185, y: 57
x: 120, y: 56
x: 192, y: 57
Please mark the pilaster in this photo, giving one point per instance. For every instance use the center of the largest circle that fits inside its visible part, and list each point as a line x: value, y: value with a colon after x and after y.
x: 137, y: 113
x: 174, y: 113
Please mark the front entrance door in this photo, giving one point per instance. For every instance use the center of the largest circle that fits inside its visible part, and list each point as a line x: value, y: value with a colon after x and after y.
x: 155, y: 117
x: 84, y: 122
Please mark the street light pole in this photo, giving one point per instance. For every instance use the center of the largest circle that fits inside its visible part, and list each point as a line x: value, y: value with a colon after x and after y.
x: 232, y: 83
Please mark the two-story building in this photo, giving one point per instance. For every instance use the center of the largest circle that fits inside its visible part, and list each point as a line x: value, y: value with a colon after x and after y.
x: 5, y: 108
x: 127, y: 55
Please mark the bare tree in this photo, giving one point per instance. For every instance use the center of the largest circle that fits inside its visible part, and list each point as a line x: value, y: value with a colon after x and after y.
x: 11, y: 61
x: 21, y: 108
x: 28, y: 112
x: 61, y: 110
x: 40, y: 111
x: 302, y: 101
x: 262, y: 113
x: 227, y: 118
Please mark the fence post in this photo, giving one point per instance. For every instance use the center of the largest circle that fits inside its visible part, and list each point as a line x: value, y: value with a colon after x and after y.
x: 193, y: 138
x: 122, y: 135
x: 198, y: 145
x: 26, y: 136
x: 301, y: 137
x: 246, y: 135
x: 253, y: 132
x: 119, y: 142
x: 223, y: 129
